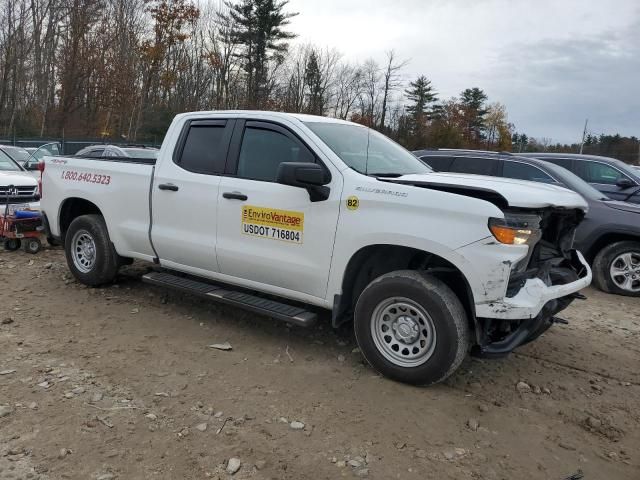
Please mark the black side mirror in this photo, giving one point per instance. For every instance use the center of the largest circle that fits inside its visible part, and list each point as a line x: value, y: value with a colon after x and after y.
x: 624, y: 182
x: 310, y: 176
x: 31, y: 166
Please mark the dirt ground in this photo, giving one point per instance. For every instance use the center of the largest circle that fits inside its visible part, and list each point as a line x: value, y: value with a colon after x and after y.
x: 119, y: 383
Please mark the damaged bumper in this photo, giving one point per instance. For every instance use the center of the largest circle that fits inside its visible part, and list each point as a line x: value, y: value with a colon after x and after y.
x: 522, y: 318
x: 534, y: 294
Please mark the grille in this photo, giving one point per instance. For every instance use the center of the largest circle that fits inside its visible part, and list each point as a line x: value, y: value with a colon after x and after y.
x: 18, y: 194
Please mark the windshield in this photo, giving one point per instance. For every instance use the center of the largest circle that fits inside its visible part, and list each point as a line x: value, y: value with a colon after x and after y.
x: 141, y: 152
x: 16, y: 153
x: 8, y: 165
x: 575, y: 183
x: 367, y: 151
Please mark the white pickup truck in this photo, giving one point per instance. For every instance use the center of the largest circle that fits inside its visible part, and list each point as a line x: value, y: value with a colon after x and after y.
x: 289, y: 215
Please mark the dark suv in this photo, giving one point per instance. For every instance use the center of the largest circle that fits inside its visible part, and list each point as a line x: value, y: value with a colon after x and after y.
x: 612, y: 177
x: 608, y: 237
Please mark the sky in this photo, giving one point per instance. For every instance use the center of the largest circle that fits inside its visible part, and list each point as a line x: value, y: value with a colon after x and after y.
x: 553, y: 63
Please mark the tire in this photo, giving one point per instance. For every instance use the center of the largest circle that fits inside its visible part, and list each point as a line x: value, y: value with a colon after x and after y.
x: 613, y: 258
x: 11, y: 244
x: 397, y: 349
x: 90, y: 254
x: 31, y: 245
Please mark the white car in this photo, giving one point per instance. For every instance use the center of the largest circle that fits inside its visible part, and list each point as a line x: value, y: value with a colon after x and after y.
x: 288, y: 215
x: 17, y: 186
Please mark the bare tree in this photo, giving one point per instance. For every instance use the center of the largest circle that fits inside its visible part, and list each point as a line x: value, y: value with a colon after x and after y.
x: 392, y: 81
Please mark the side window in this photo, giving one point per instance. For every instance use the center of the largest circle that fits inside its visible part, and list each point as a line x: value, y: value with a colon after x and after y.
x: 596, y: 172
x: 438, y: 163
x: 263, y: 150
x: 561, y: 162
x: 204, y: 148
x: 522, y: 171
x: 96, y: 153
x: 475, y: 165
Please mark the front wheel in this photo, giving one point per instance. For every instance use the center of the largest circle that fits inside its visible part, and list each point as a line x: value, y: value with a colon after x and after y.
x: 411, y: 327
x: 90, y: 254
x: 616, y: 269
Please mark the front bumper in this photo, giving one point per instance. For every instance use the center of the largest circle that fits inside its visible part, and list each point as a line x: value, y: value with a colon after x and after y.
x: 530, y: 300
x: 528, y: 314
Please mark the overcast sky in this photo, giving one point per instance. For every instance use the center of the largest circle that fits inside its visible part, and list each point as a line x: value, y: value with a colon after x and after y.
x: 553, y: 63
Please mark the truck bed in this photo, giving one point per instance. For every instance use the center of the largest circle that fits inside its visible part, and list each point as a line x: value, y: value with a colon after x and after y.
x: 115, y: 185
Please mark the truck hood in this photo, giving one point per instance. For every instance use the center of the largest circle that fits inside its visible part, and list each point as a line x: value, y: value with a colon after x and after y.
x: 21, y: 179
x: 504, y: 192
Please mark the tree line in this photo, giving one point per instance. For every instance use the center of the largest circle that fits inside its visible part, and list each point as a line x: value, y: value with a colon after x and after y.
x: 121, y: 69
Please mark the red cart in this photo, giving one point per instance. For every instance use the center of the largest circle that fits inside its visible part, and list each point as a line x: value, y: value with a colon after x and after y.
x: 15, y: 231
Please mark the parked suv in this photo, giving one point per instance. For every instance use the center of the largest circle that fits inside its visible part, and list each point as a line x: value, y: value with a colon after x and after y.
x: 614, y: 178
x: 609, y: 236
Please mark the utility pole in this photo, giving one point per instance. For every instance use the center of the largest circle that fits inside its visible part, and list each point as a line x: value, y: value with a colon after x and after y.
x: 584, y: 134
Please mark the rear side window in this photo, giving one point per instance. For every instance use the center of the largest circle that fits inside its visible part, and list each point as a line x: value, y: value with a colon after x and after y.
x: 263, y: 150
x: 596, y: 172
x: 438, y: 163
x: 97, y: 153
x: 205, y: 148
x: 561, y: 162
x: 522, y: 171
x: 475, y: 165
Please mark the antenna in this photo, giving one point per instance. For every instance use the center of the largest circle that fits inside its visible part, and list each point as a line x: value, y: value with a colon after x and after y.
x: 584, y: 134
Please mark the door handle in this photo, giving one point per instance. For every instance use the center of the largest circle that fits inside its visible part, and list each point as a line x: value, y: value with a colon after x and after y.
x: 168, y: 186
x: 235, y: 196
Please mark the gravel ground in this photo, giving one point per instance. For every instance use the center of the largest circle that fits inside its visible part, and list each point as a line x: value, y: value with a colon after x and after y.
x: 120, y: 383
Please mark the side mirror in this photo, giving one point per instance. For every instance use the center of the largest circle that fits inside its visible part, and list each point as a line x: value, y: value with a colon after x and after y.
x: 624, y: 182
x: 310, y: 176
x: 31, y: 166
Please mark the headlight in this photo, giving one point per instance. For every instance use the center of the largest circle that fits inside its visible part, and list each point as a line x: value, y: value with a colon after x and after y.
x: 516, y: 229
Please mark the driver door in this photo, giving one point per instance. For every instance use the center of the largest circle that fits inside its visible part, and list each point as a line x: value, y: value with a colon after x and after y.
x: 269, y: 233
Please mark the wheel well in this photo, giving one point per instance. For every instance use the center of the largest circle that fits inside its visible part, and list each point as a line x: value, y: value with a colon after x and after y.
x: 71, y: 209
x: 608, y: 239
x: 375, y: 260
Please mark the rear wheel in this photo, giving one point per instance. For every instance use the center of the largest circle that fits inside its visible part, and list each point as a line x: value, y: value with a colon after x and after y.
x: 616, y: 269
x: 11, y: 244
x: 90, y: 254
x: 411, y: 327
x: 31, y: 245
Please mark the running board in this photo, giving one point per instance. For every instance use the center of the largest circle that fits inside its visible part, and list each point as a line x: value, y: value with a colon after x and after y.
x: 281, y: 311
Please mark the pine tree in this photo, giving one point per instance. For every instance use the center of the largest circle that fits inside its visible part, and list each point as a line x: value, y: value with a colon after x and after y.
x: 473, y: 105
x: 258, y: 26
x: 422, y: 96
x: 313, y: 79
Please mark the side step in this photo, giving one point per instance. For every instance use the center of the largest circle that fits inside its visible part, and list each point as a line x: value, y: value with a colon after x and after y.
x: 281, y: 311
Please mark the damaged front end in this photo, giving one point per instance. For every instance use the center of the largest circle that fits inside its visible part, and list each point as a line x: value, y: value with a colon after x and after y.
x: 546, y: 274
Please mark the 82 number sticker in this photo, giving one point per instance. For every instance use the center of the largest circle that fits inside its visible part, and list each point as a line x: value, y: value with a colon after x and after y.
x: 353, y: 203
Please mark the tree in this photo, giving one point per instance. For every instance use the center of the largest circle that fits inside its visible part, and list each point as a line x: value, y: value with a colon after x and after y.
x: 422, y: 97
x: 258, y: 27
x: 391, y: 82
x: 473, y: 101
x: 313, y: 80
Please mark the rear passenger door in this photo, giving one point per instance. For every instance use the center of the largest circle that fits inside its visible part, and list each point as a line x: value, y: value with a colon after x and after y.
x: 185, y: 196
